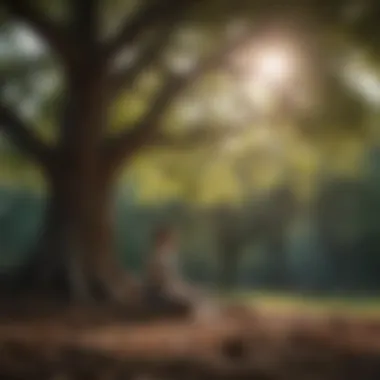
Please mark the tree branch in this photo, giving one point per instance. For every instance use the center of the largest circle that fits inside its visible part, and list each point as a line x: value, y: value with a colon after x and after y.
x: 23, y: 137
x: 55, y: 36
x: 85, y: 21
x: 127, y: 143
x: 125, y: 79
x: 119, y: 148
x: 151, y: 14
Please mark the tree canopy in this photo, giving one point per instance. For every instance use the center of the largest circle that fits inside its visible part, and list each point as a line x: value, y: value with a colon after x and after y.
x: 225, y: 105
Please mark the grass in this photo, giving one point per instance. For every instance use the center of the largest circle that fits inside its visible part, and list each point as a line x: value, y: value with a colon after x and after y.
x: 277, y: 302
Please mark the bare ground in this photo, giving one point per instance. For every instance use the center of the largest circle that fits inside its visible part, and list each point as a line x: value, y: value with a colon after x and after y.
x: 47, y: 341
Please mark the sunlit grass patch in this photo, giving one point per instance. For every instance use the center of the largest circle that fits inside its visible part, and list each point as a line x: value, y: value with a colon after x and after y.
x: 281, y: 302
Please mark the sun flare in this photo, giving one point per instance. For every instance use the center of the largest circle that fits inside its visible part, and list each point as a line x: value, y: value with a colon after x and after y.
x: 273, y: 66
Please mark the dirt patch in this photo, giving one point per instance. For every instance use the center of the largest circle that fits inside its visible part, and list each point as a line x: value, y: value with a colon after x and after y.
x: 78, y: 342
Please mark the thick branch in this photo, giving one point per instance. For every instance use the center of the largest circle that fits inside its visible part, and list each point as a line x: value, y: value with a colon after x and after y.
x: 130, y: 141
x: 85, y: 21
x: 152, y: 51
x: 151, y: 14
x: 23, y: 137
x: 125, y: 79
x: 125, y: 145
x: 55, y: 36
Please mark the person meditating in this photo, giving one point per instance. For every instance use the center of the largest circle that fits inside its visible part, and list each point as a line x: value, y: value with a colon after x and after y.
x: 165, y: 291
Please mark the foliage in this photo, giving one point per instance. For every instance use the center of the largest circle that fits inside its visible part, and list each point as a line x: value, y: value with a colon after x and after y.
x: 336, y: 133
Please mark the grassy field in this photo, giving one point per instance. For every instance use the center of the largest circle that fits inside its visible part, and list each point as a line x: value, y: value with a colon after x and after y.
x: 360, y: 306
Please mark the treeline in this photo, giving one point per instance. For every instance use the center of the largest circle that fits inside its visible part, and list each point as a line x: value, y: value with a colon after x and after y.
x: 331, y: 245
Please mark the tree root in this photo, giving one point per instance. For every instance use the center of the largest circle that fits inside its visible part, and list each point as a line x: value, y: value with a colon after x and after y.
x: 127, y: 297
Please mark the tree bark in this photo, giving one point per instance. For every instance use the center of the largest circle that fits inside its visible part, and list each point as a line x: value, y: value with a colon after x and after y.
x: 74, y: 257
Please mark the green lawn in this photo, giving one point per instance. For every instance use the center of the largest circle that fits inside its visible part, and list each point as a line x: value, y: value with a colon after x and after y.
x: 290, y: 302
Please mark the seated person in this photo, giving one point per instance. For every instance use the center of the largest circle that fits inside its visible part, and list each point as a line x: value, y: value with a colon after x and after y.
x: 163, y: 286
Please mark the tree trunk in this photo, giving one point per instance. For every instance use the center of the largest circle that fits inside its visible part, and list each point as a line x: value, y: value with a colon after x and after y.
x: 45, y: 270
x: 74, y: 257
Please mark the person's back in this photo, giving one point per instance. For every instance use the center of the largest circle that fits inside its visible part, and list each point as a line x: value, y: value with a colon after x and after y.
x: 163, y: 280
x: 162, y: 263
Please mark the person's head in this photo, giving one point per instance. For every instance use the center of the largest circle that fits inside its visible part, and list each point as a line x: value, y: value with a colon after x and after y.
x: 165, y: 237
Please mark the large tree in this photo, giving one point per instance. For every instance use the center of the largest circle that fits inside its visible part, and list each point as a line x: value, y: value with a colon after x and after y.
x: 83, y: 164
x: 81, y: 167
